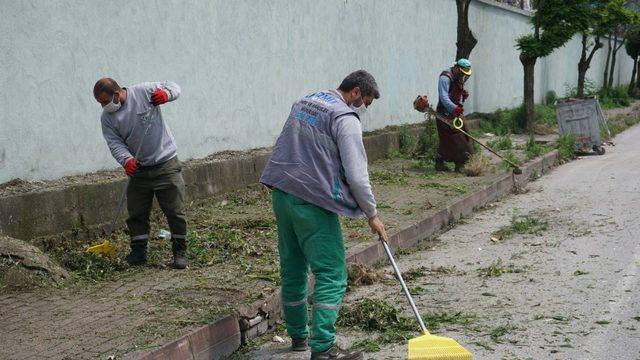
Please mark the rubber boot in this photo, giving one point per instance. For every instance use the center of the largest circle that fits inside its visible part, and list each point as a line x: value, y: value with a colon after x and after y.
x: 179, y: 248
x: 335, y: 352
x: 440, y: 166
x: 138, y: 254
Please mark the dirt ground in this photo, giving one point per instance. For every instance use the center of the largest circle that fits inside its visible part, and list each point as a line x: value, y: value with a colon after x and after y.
x: 548, y: 274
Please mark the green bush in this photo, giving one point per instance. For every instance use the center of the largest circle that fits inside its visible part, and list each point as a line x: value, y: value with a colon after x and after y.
x: 533, y: 149
x: 428, y: 140
x: 551, y: 97
x: 614, y: 97
x: 408, y: 140
x: 511, y: 121
x: 566, y: 147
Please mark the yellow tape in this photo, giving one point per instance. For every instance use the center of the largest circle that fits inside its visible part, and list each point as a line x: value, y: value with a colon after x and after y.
x: 458, y: 123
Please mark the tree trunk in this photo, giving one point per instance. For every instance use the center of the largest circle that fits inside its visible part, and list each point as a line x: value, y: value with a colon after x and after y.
x: 529, y: 65
x: 613, y: 58
x: 605, y: 82
x: 585, y: 61
x: 465, y: 41
x: 632, y: 83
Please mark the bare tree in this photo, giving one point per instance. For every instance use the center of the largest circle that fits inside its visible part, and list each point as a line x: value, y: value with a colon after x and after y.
x: 466, y: 41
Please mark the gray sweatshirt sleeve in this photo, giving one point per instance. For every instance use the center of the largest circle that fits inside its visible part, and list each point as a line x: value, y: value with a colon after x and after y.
x: 170, y: 87
x: 444, y: 83
x: 348, y: 133
x: 119, y: 150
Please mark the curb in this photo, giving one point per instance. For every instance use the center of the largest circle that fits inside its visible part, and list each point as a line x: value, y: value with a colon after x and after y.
x: 254, y: 320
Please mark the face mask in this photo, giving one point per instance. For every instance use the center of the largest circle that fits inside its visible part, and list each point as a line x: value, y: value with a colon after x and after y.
x: 112, y: 107
x: 360, y: 110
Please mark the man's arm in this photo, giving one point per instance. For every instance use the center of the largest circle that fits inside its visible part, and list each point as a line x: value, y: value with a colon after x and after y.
x: 161, y: 92
x: 443, y: 93
x: 119, y: 150
x: 348, y: 132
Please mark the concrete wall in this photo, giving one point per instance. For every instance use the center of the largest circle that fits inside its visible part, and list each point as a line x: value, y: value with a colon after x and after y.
x: 241, y: 64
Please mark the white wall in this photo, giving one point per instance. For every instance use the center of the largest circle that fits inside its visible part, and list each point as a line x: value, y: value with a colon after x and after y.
x: 241, y: 64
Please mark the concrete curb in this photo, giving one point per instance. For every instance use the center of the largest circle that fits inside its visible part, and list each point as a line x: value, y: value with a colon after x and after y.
x: 255, y: 319
x: 53, y: 211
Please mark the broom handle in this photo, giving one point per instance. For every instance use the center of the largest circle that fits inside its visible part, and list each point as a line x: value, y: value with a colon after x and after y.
x: 404, y: 286
x: 126, y: 183
x: 438, y: 116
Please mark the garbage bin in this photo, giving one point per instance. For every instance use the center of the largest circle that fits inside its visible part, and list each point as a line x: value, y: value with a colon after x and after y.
x: 582, y: 118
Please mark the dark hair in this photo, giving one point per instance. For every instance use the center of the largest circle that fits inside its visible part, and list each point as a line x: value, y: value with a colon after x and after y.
x: 105, y: 85
x: 364, y: 81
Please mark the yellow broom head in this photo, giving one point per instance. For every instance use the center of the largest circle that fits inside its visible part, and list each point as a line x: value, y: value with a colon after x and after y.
x: 104, y: 248
x: 431, y: 347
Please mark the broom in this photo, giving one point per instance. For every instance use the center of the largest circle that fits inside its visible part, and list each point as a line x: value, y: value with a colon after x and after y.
x: 427, y: 346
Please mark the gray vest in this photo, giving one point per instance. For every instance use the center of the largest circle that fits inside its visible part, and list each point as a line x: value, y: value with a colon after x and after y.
x: 306, y: 161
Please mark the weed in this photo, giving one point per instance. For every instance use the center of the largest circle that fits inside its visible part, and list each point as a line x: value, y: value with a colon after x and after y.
x: 528, y: 224
x: 579, y: 272
x: 533, y: 149
x: 603, y: 322
x: 501, y: 143
x: 477, y: 165
x: 366, y: 345
x: 512, y: 158
x: 483, y: 345
x: 566, y: 147
x: 488, y: 294
x: 498, y: 332
x: 408, y: 141
x: 386, y: 177
x: 496, y: 269
x: 614, y: 97
x: 550, y: 98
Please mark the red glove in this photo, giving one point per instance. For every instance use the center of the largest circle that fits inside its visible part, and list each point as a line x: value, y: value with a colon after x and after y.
x: 159, y: 97
x: 459, y: 111
x: 465, y: 95
x: 131, y: 165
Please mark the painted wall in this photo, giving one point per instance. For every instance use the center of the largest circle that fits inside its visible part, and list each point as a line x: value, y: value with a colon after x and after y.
x: 241, y: 64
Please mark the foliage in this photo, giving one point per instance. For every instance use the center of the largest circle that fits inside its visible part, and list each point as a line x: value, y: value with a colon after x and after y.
x: 566, y: 147
x: 506, y: 121
x: 550, y: 97
x: 554, y: 24
x: 501, y: 143
x: 614, y: 97
x: 632, y: 41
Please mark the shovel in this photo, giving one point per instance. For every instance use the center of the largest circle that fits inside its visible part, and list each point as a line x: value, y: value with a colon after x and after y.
x: 427, y: 346
x: 457, y: 124
x: 106, y: 247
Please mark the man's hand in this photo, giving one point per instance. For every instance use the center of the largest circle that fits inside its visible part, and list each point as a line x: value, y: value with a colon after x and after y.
x: 459, y: 110
x: 377, y: 227
x: 131, y: 165
x: 465, y: 95
x: 159, y: 97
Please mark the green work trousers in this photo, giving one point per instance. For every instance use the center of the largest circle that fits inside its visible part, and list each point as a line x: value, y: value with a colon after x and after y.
x: 165, y: 182
x: 310, y: 237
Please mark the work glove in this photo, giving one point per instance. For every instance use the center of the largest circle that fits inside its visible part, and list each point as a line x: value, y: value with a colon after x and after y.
x: 131, y: 165
x: 421, y: 103
x: 159, y: 97
x: 459, y: 110
x: 465, y: 95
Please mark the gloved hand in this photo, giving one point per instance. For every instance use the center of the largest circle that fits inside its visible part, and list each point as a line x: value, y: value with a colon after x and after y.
x: 131, y: 165
x: 159, y: 97
x: 465, y: 95
x: 459, y: 110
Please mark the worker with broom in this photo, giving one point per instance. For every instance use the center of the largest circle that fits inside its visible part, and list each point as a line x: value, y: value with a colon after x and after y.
x: 454, y: 145
x: 318, y: 171
x: 130, y: 120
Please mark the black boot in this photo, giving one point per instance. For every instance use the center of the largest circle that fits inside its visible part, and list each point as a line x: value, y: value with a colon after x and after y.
x: 179, y: 248
x: 138, y: 254
x: 299, y: 344
x: 440, y: 166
